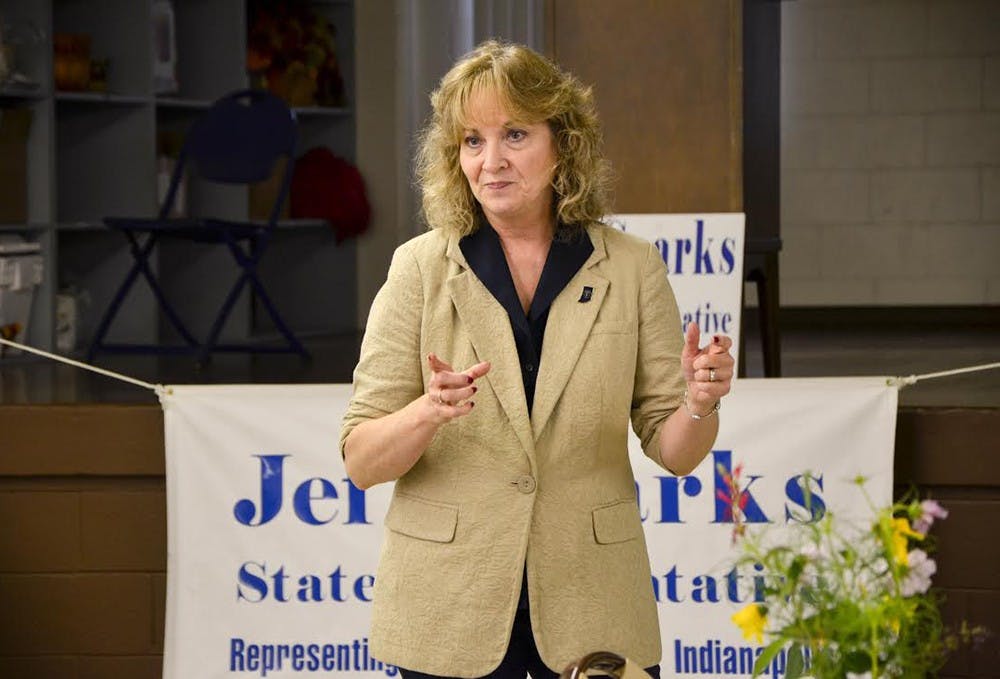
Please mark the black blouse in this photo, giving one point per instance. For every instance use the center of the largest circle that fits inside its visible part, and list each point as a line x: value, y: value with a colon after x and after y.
x: 484, y: 253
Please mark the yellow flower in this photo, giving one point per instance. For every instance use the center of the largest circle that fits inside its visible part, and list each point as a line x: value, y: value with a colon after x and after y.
x: 751, y: 620
x: 900, y: 531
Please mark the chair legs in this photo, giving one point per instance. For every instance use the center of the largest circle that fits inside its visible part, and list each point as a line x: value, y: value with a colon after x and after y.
x: 279, y: 323
x: 248, y: 274
x: 248, y: 266
x: 140, y: 255
x: 765, y: 277
x: 769, y: 329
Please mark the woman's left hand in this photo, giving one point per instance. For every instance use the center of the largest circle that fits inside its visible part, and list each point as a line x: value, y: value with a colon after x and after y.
x: 708, y: 371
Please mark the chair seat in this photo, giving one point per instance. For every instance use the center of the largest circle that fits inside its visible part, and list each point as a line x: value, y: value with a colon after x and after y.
x: 199, y: 230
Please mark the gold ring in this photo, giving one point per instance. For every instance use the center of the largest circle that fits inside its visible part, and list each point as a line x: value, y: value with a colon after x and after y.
x: 711, y: 374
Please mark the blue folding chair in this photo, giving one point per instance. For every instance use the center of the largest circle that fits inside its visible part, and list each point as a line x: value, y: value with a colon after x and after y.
x: 238, y: 140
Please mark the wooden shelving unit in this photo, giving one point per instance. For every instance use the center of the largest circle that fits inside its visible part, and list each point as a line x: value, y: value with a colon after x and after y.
x: 93, y: 155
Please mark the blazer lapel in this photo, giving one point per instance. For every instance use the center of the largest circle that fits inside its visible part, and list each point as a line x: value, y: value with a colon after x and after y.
x: 489, y: 330
x: 566, y: 331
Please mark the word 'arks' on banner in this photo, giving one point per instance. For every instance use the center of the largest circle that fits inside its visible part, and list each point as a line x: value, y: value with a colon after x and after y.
x: 703, y: 254
x: 272, y: 551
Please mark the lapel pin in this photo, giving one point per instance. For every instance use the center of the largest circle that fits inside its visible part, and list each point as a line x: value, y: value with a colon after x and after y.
x: 587, y: 293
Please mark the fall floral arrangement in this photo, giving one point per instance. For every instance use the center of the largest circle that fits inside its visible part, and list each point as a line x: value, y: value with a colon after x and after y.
x: 848, y: 601
x: 292, y: 52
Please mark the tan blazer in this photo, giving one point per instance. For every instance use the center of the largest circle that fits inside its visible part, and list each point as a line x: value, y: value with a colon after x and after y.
x: 497, y: 489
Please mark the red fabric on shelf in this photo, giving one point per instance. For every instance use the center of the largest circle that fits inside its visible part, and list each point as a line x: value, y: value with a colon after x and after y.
x: 325, y: 186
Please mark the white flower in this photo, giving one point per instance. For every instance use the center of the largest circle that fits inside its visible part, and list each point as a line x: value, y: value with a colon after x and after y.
x: 918, y: 576
x: 852, y: 675
x: 811, y: 551
x: 873, y: 578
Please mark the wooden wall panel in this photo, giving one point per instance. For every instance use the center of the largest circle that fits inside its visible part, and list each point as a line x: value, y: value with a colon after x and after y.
x: 40, y: 667
x: 82, y: 581
x: 78, y: 614
x: 140, y: 667
x: 54, y: 440
x: 139, y: 539
x: 45, y: 537
x: 668, y: 82
x: 947, y: 454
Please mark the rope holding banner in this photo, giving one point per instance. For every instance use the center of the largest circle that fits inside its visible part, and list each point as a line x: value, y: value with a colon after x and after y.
x: 161, y: 391
x: 158, y: 389
x: 913, y: 379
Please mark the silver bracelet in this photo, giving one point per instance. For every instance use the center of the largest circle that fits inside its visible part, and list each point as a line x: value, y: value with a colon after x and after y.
x: 696, y: 416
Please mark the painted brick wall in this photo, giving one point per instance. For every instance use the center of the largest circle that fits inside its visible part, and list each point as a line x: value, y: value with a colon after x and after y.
x: 890, y: 174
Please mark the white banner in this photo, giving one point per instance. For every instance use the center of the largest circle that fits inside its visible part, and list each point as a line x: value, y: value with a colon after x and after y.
x: 271, y: 552
x: 704, y: 258
x: 831, y: 429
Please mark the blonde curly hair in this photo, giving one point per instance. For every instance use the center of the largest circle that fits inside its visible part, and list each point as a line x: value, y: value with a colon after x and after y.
x: 531, y: 89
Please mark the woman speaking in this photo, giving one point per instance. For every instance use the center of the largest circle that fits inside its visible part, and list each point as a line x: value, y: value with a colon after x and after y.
x: 501, y: 363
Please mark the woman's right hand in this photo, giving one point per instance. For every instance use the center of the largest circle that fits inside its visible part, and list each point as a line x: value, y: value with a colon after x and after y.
x: 450, y: 393
x: 384, y: 448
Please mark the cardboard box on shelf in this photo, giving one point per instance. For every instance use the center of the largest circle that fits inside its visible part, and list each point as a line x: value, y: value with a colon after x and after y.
x: 14, y: 126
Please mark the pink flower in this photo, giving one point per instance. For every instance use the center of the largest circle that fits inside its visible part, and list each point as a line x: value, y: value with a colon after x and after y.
x: 735, y: 499
x: 930, y: 510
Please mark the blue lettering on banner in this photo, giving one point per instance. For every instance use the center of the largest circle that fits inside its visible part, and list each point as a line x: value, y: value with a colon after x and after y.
x: 715, y: 657
x: 703, y: 255
x: 270, y: 492
x: 676, y: 492
x: 673, y: 587
x: 310, y: 496
x: 803, y: 491
x: 670, y: 501
x: 262, y: 658
x: 257, y: 583
x: 707, y: 320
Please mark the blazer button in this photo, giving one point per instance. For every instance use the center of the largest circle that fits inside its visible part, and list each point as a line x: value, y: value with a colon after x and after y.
x: 526, y: 484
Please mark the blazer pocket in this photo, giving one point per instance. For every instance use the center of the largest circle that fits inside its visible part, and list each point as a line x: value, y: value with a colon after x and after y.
x: 617, y: 522
x: 422, y: 519
x: 613, y: 328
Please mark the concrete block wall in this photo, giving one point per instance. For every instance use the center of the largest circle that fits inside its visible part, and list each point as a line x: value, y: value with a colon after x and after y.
x: 890, y: 133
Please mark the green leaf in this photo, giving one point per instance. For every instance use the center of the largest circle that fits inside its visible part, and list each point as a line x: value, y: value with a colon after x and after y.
x: 795, y: 570
x: 767, y: 656
x: 857, y: 662
x: 796, y: 665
